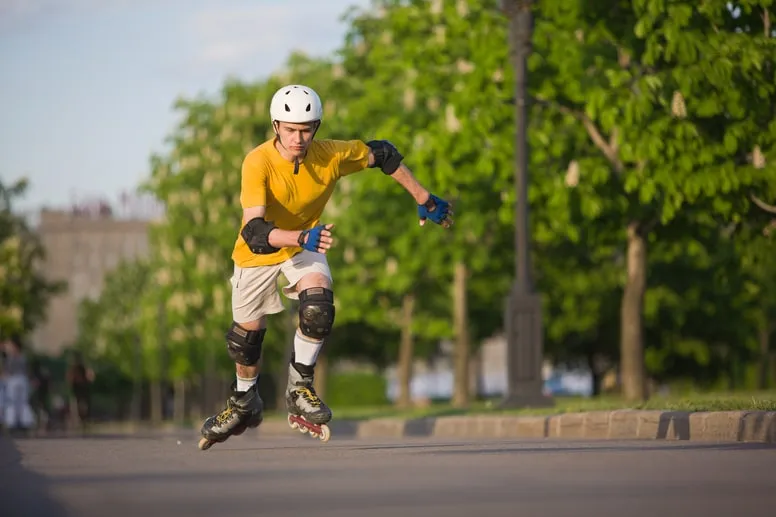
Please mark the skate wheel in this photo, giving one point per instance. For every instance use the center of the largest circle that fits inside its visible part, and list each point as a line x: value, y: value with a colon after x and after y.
x: 313, y: 434
x: 292, y: 423
x: 204, y: 444
x: 325, y: 433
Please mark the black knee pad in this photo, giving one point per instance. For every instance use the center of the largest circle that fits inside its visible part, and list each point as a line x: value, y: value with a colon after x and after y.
x: 244, y: 346
x: 316, y: 312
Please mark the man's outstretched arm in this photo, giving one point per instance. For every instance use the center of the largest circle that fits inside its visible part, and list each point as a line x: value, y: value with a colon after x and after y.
x: 406, y: 179
x: 384, y: 155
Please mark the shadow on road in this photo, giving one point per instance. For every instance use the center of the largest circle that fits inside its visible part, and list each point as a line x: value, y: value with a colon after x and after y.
x: 563, y: 447
x: 95, y: 436
x: 22, y: 492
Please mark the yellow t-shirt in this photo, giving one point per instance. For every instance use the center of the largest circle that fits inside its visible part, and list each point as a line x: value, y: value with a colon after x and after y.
x: 293, y: 201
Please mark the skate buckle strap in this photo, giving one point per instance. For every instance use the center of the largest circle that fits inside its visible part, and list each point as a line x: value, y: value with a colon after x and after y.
x: 310, y: 396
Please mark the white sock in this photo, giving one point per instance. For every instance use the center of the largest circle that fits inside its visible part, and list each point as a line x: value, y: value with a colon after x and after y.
x: 306, y: 349
x: 245, y: 384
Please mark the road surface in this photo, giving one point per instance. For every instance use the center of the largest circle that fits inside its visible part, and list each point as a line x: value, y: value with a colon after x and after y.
x: 114, y: 476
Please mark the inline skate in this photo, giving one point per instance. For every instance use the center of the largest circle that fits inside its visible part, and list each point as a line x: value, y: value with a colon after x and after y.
x: 243, y: 410
x: 306, y: 412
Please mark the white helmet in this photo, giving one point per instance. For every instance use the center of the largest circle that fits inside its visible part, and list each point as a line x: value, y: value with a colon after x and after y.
x: 296, y: 104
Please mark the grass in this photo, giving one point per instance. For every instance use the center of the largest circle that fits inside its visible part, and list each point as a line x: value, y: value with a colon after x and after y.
x: 754, y: 401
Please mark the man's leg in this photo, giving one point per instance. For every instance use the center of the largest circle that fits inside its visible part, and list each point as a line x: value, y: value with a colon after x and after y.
x: 244, y: 342
x: 244, y: 407
x: 309, y: 281
x: 254, y: 295
x: 316, y: 317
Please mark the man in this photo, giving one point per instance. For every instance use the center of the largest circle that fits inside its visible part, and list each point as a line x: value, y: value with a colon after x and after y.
x: 286, y: 183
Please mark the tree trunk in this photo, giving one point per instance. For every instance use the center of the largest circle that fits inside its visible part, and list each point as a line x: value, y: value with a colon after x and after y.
x: 159, y: 390
x: 461, y: 325
x: 632, y: 311
x: 730, y: 360
x: 321, y: 374
x: 596, y: 376
x: 406, y: 345
x: 137, y: 381
x: 765, y: 356
x: 773, y: 366
x: 475, y: 374
x: 209, y: 400
x: 155, y: 395
x: 179, y: 401
x: 291, y: 323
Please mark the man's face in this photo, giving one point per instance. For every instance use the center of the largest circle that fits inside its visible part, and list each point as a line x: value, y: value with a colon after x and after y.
x: 296, y: 137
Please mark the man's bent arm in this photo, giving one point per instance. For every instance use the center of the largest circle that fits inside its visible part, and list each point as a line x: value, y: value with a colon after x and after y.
x: 277, y: 238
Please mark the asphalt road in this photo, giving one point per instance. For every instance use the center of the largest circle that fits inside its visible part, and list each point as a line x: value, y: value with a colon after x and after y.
x: 299, y: 476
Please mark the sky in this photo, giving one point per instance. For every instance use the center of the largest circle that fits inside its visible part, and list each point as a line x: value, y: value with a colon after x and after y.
x: 87, y: 86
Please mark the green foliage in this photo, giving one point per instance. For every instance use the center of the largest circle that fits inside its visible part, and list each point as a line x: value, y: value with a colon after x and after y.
x: 110, y: 327
x: 654, y: 113
x: 417, y: 73
x: 356, y: 389
x: 24, y: 289
x: 699, y: 291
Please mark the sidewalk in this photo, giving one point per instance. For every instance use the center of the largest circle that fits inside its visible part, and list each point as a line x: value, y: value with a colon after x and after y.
x: 728, y: 426
x: 724, y: 426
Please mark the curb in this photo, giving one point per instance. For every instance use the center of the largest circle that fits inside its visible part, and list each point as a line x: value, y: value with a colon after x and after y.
x: 726, y: 426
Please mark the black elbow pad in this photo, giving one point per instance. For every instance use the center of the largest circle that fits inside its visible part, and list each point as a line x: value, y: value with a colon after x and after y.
x: 387, y: 157
x: 256, y: 235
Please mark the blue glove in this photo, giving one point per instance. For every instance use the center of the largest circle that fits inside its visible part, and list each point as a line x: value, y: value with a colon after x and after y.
x: 437, y: 210
x: 314, y: 241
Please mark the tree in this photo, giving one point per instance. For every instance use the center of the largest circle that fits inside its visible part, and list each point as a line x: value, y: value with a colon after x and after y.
x: 24, y: 291
x: 417, y: 73
x: 757, y: 249
x: 670, y: 134
x: 110, y: 330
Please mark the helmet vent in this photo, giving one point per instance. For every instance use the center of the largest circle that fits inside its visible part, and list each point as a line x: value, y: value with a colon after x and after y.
x: 308, y: 108
x: 287, y: 108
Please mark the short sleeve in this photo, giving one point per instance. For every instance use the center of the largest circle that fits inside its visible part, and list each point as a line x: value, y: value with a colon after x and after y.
x: 253, y: 191
x: 353, y: 156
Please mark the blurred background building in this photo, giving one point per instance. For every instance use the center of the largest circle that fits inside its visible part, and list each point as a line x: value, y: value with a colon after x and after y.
x: 83, y: 243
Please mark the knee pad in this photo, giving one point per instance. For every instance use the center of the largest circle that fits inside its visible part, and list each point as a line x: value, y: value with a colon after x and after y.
x: 316, y: 312
x: 244, y: 346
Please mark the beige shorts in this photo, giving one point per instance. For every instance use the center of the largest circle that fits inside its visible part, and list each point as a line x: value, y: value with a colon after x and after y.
x: 255, y: 289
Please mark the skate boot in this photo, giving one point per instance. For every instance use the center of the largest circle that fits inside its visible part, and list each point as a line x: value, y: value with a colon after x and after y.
x: 243, y: 410
x: 306, y: 411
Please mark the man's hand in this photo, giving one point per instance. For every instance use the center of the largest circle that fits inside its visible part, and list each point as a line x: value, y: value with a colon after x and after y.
x: 436, y: 209
x: 317, y: 239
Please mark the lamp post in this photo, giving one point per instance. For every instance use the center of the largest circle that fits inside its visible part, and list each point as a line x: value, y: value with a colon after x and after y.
x: 523, y: 318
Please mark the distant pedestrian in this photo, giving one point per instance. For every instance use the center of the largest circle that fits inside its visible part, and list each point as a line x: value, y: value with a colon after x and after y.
x: 79, y: 379
x: 17, y: 413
